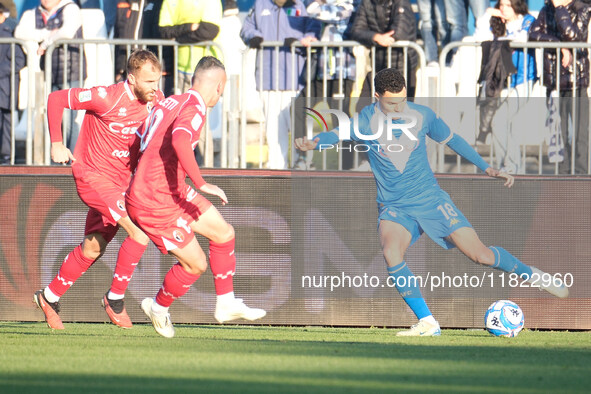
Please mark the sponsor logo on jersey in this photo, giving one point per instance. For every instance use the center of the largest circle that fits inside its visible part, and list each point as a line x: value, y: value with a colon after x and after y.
x: 120, y: 153
x: 121, y: 128
x: 122, y: 111
x: 453, y: 222
x: 84, y: 96
x: 120, y: 205
x: 178, y: 236
x: 102, y: 92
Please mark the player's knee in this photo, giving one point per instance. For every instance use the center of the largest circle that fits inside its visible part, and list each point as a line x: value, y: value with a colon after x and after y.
x: 393, y: 254
x: 92, y: 250
x: 199, y: 265
x: 225, y: 233
x: 140, y: 237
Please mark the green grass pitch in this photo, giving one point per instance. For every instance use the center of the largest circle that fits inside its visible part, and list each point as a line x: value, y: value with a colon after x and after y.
x: 102, y: 358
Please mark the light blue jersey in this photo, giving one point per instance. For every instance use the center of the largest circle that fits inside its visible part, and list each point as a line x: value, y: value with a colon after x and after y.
x: 407, y: 191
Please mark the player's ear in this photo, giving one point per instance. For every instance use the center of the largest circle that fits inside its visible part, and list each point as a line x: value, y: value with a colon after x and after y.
x: 131, y: 78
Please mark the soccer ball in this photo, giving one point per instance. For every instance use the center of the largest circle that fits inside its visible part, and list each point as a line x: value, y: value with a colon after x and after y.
x: 504, y: 319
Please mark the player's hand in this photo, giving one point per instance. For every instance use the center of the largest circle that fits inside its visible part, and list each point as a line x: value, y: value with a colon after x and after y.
x: 216, y: 191
x: 60, y: 153
x: 304, y: 144
x: 492, y: 172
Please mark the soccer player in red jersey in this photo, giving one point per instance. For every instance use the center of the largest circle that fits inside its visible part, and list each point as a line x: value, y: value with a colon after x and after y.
x: 170, y: 211
x: 102, y: 171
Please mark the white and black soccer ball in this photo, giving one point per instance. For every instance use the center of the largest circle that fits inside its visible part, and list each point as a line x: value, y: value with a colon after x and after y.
x: 504, y: 319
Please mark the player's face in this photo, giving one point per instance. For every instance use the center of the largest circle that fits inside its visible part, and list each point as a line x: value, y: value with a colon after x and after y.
x: 145, y: 82
x: 392, y: 102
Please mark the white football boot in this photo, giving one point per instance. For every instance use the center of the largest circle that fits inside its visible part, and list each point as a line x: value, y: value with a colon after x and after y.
x: 236, y: 309
x: 421, y: 329
x: 538, y: 279
x: 160, y: 321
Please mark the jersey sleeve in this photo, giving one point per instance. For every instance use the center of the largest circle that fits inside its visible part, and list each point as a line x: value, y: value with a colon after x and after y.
x: 96, y: 99
x: 438, y: 130
x: 185, y: 135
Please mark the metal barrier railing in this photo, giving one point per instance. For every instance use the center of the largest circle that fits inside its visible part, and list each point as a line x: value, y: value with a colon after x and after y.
x: 129, y: 45
x: 234, y: 122
x: 526, y: 47
x: 277, y: 47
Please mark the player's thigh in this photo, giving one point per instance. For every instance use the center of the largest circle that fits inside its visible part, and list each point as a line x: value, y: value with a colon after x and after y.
x: 468, y: 242
x: 212, y: 225
x: 395, y: 239
x: 191, y: 257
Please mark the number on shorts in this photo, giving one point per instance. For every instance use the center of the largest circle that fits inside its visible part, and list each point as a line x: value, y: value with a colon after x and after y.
x: 447, y: 210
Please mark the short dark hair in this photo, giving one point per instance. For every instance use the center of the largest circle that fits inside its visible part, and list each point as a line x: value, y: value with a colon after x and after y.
x: 208, y: 62
x: 389, y: 80
x: 138, y: 58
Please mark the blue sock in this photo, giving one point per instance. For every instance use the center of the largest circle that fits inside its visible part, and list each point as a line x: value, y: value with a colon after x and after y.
x: 409, y: 290
x: 505, y: 261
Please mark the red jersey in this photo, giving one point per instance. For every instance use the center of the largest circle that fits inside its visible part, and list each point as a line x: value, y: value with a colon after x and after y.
x: 113, y: 114
x: 168, y: 138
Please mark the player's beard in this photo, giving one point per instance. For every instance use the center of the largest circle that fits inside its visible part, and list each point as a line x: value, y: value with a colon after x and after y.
x: 145, y: 96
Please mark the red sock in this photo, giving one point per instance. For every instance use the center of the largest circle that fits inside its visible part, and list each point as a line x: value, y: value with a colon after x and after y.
x: 74, y: 265
x: 176, y: 283
x: 222, y: 261
x: 129, y: 256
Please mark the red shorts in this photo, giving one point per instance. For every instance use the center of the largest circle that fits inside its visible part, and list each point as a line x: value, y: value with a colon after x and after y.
x: 169, y: 228
x: 105, y: 199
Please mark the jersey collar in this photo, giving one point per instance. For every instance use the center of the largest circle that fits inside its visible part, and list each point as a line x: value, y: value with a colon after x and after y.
x: 128, y: 90
x: 198, y: 97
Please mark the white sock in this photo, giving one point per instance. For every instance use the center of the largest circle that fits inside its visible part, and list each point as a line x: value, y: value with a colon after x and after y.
x: 225, y: 298
x: 430, y: 319
x: 157, y: 308
x: 113, y: 296
x: 50, y: 295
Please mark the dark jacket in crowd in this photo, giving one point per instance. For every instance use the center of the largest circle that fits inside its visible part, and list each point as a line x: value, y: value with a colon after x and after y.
x: 563, y: 24
x: 7, y: 31
x: 381, y: 16
x: 497, y: 65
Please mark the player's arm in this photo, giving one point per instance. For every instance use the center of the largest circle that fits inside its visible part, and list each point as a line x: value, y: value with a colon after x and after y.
x: 462, y: 148
x: 56, y: 103
x: 181, y: 143
x: 440, y: 132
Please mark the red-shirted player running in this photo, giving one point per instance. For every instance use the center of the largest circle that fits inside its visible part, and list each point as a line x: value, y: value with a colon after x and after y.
x: 170, y: 211
x: 101, y: 169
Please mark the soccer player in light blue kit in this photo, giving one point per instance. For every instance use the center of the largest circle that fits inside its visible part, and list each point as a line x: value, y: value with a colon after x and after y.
x: 409, y: 198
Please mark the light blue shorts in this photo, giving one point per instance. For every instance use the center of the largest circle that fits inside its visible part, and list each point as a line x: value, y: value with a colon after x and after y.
x: 438, y: 217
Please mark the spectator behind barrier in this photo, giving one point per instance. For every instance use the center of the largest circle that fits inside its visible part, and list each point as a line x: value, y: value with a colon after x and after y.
x: 567, y: 21
x: 190, y: 22
x: 508, y: 21
x: 138, y: 19
x: 432, y: 15
x: 380, y: 23
x: 339, y: 68
x: 55, y: 20
x: 7, y: 26
x: 288, y: 22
